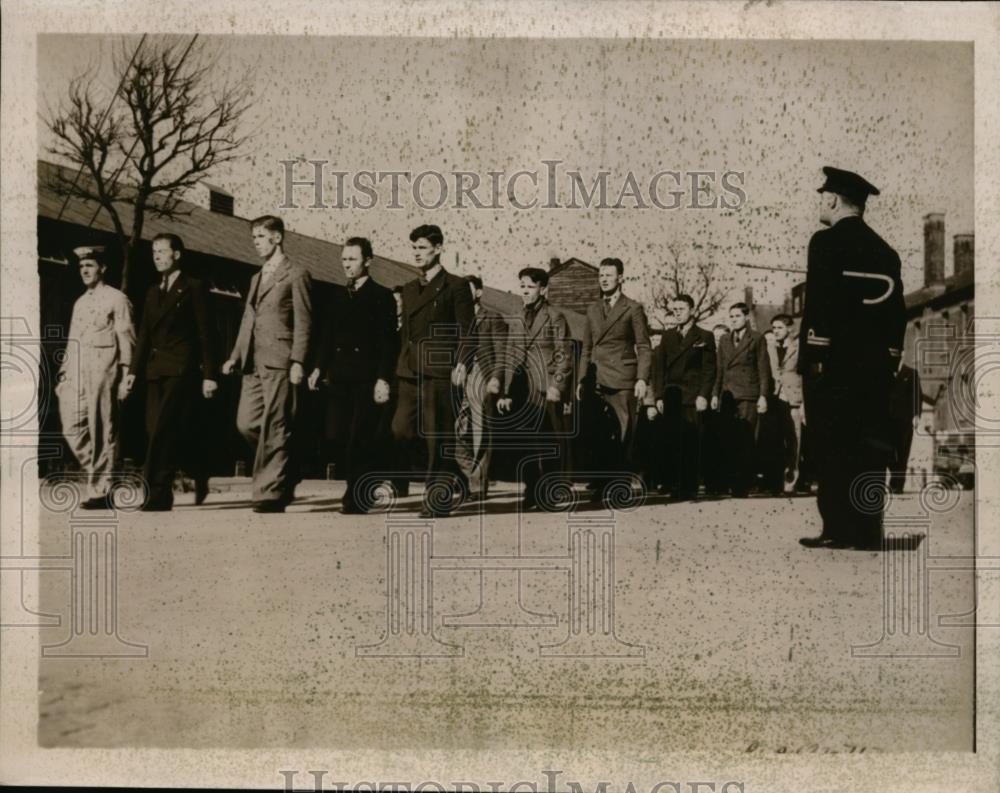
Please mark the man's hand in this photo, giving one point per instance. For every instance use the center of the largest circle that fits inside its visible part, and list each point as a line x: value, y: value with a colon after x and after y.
x: 296, y: 374
x: 381, y: 392
x: 715, y: 403
x: 762, y: 404
x: 504, y: 405
x: 314, y: 379
x: 700, y: 404
x: 128, y: 381
x: 458, y: 375
x: 228, y: 366
x: 659, y: 406
x: 640, y: 389
x: 124, y: 388
x: 651, y: 412
x: 493, y: 386
x: 916, y: 422
x: 552, y: 394
x: 208, y: 388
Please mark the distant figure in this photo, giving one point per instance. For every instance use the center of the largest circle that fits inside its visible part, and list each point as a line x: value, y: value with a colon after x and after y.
x: 437, y: 314
x: 742, y: 384
x: 615, y: 361
x: 175, y: 355
x: 536, y: 377
x: 271, y: 351
x: 853, y: 329
x: 786, y: 402
x: 355, y: 357
x: 683, y: 378
x: 92, y: 375
x: 906, y: 401
x: 487, y: 338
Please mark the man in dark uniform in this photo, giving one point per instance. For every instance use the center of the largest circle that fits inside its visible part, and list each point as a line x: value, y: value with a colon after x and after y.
x: 175, y: 356
x: 437, y: 315
x: 357, y: 351
x: 850, y: 344
x: 683, y: 378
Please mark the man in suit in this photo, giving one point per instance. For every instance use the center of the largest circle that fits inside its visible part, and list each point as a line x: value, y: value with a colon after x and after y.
x: 906, y: 403
x: 853, y: 326
x: 742, y: 384
x: 437, y: 315
x: 174, y: 354
x: 91, y: 380
x: 487, y: 339
x: 536, y: 377
x: 683, y: 379
x: 271, y: 350
x: 615, y: 360
x: 713, y: 469
x: 786, y: 403
x: 356, y: 355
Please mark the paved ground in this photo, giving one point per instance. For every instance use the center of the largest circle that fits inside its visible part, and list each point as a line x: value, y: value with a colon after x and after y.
x: 716, y: 630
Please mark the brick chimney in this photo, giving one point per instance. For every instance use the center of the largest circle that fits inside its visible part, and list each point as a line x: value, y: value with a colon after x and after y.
x: 553, y: 263
x: 934, y: 249
x: 964, y: 253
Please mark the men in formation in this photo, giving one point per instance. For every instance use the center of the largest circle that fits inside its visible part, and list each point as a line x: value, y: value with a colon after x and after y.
x: 432, y: 363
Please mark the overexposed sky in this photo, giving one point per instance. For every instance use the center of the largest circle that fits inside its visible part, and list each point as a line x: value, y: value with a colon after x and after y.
x: 898, y: 113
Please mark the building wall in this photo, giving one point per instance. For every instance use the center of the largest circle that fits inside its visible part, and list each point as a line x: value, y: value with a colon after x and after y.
x: 574, y: 286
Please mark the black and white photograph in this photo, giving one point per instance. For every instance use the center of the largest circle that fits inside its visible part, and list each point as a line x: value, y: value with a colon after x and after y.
x: 500, y: 397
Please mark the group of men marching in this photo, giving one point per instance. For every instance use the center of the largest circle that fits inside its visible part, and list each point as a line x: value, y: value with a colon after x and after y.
x: 428, y: 364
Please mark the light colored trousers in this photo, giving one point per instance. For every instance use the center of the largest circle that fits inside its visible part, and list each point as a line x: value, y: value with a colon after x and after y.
x: 471, y: 434
x: 265, y: 418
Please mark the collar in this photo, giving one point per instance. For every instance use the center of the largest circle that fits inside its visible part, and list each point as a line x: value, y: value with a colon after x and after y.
x: 171, y: 278
x: 276, y: 261
x: 535, y: 306
x: 613, y: 298
x: 431, y: 274
x: 360, y: 282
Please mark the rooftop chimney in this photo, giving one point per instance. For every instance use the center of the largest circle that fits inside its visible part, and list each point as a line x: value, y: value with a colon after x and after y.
x: 934, y: 249
x: 553, y: 263
x: 964, y: 253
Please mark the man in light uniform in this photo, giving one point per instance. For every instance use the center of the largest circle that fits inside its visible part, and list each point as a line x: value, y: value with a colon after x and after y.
x: 99, y: 348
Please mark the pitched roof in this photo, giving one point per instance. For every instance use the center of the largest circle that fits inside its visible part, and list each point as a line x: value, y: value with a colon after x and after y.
x: 940, y: 293
x: 207, y: 232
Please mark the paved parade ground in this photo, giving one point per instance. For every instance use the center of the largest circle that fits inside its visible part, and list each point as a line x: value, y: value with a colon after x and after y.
x: 676, y: 626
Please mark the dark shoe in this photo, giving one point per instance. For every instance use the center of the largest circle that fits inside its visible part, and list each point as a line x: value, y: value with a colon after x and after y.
x: 98, y: 502
x: 402, y: 489
x: 907, y: 543
x: 818, y: 542
x: 156, y: 506
x: 531, y: 505
x: 200, y: 491
x: 432, y: 514
x: 269, y: 506
x: 350, y: 508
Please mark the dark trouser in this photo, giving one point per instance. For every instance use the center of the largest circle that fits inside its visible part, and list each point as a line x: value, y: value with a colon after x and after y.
x: 543, y: 450
x: 265, y: 418
x: 351, y: 425
x: 170, y: 404
x: 902, y: 440
x: 778, y: 443
x: 713, y: 452
x: 426, y: 409
x: 622, y: 403
x: 848, y: 420
x: 682, y: 445
x: 740, y: 416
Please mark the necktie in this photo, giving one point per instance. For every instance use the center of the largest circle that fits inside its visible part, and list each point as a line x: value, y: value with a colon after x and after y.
x: 781, y: 355
x: 164, y: 285
x: 423, y: 283
x: 352, y: 287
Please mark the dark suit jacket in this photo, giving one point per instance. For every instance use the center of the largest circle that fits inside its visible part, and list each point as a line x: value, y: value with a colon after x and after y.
x: 854, y: 317
x: 488, y: 335
x: 618, y: 345
x: 436, y: 321
x: 540, y: 355
x: 906, y: 399
x: 744, y: 370
x: 358, y: 341
x: 175, y: 334
x: 277, y: 320
x: 684, y: 363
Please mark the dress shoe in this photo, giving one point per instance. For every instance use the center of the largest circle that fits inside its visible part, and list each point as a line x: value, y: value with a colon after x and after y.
x: 269, y: 506
x: 200, y: 491
x: 350, y: 508
x: 156, y: 506
x: 819, y: 542
x: 98, y: 502
x: 530, y: 505
x: 432, y: 514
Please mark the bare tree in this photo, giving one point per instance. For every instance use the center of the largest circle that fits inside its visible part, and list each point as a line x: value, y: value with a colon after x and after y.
x: 168, y: 125
x: 699, y: 279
